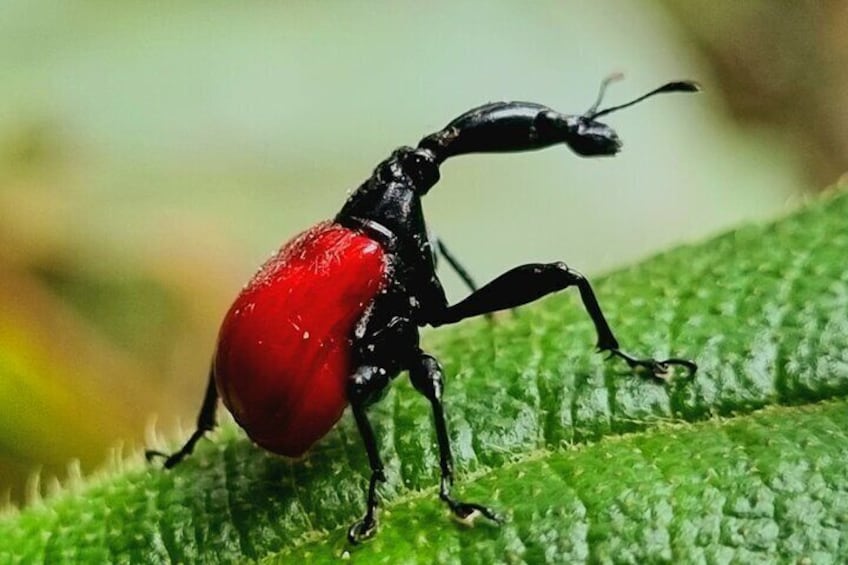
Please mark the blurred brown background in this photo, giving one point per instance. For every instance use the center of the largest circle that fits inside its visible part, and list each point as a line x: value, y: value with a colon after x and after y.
x: 152, y: 157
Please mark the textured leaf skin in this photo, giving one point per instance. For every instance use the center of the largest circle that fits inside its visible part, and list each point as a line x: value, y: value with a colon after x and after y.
x: 761, y: 488
x: 764, y: 310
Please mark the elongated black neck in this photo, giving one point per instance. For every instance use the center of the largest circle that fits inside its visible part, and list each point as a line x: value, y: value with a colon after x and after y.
x: 497, y: 127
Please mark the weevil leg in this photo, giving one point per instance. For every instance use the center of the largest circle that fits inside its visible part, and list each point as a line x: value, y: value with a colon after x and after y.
x: 527, y: 283
x: 439, y: 244
x: 205, y: 423
x: 455, y: 264
x: 367, y: 382
x: 656, y: 369
x: 427, y: 377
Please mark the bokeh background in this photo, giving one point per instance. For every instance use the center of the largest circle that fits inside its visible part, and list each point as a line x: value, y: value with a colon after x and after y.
x: 152, y: 155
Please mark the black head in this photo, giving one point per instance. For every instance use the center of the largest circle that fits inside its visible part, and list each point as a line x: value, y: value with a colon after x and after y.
x: 591, y: 138
x: 584, y: 134
x: 416, y: 168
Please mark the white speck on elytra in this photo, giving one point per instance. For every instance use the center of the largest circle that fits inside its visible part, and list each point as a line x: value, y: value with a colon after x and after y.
x: 305, y: 335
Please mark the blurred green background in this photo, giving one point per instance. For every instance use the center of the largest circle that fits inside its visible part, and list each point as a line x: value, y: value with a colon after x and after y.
x: 151, y: 156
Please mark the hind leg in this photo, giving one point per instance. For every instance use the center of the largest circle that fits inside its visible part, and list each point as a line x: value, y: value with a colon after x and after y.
x: 205, y: 423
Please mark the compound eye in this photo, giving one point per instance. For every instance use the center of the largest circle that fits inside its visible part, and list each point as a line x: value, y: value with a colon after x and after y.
x: 422, y: 168
x: 595, y: 138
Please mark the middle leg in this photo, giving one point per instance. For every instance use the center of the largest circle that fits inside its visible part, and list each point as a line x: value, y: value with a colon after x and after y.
x: 426, y: 376
x: 461, y: 271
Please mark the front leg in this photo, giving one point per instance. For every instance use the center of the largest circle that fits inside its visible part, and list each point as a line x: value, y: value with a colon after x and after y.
x: 363, y: 385
x: 527, y: 283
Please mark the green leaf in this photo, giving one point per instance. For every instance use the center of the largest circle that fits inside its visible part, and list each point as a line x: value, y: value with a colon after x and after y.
x: 760, y: 488
x: 588, y: 462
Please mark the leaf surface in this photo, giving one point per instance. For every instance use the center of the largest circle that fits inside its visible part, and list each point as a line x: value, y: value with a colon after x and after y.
x: 538, y: 425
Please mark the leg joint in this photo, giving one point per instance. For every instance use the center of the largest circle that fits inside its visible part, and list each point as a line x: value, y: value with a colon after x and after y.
x: 365, y: 383
x: 567, y: 274
x: 427, y: 377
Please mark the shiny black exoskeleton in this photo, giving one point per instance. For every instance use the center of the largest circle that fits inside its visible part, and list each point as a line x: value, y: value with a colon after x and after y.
x: 387, y: 208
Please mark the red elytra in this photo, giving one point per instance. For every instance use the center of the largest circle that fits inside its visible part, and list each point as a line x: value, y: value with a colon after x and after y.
x: 284, y: 348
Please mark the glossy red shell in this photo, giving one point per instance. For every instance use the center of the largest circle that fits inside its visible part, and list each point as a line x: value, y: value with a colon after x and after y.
x: 284, y: 349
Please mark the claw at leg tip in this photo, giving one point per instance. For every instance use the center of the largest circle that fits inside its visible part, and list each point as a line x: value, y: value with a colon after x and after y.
x: 691, y: 368
x: 360, y: 532
x: 467, y: 519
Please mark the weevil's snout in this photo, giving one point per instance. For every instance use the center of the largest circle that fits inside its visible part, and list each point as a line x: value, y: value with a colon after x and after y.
x: 592, y: 139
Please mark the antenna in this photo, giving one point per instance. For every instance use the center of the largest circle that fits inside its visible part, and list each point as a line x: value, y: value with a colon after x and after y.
x: 614, y: 77
x: 675, y: 86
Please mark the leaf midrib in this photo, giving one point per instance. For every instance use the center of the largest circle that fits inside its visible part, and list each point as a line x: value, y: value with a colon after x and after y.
x: 542, y: 454
x: 562, y: 372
